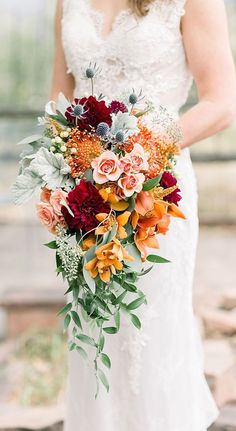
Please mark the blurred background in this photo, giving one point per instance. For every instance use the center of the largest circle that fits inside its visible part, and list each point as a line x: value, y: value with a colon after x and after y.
x: 32, y: 346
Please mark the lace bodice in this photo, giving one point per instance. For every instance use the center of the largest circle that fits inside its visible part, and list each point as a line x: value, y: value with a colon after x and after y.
x: 143, y: 53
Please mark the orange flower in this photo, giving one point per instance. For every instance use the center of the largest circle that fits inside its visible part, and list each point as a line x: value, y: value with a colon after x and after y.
x: 88, y: 242
x: 145, y: 238
x: 109, y: 259
x: 84, y: 148
x: 159, y: 149
x: 108, y: 222
x: 110, y: 193
x: 149, y: 218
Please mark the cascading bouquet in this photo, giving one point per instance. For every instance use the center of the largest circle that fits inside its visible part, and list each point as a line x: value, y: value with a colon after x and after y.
x: 105, y: 173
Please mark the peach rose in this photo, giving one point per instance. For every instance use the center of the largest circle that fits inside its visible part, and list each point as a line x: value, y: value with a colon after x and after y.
x: 106, y: 168
x: 47, y: 217
x: 135, y: 161
x: 139, y: 158
x: 131, y: 183
x: 55, y: 200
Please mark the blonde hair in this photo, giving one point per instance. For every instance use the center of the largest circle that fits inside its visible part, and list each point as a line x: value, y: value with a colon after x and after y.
x: 140, y: 7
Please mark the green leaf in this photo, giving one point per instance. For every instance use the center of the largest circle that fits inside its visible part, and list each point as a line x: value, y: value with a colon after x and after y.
x: 72, y: 346
x: 108, y: 237
x: 59, y: 118
x: 86, y: 339
x: 52, y: 244
x: 103, y: 379
x: 129, y: 287
x: 144, y: 271
x: 101, y: 342
x: 110, y: 329
x: 136, y: 303
x: 137, y: 265
x: 65, y: 309
x: 131, y: 202
x: 89, y: 280
x: 76, y: 319
x: 106, y: 360
x: 67, y: 321
x: 150, y: 184
x: 119, y: 298
x: 157, y: 259
x: 117, y: 320
x: 135, y: 320
x: 82, y: 352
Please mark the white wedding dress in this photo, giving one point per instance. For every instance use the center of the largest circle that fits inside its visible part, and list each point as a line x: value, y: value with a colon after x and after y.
x: 157, y: 381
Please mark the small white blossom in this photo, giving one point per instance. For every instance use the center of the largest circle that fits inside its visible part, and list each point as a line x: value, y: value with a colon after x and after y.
x: 58, y: 140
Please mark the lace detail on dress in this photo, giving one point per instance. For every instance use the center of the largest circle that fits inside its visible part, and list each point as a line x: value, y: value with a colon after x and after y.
x: 145, y: 52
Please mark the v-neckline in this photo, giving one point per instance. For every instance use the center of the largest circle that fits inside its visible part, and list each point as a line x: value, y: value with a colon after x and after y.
x: 99, y: 16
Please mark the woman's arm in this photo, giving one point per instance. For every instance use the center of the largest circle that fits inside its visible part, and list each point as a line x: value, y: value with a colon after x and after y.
x: 206, y: 41
x: 61, y: 81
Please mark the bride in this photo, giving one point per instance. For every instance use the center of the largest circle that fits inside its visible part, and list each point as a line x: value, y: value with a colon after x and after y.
x: 157, y: 378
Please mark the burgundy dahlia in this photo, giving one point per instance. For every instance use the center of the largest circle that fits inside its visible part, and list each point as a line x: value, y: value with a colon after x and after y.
x: 117, y: 106
x: 94, y: 112
x: 85, y: 202
x: 168, y: 180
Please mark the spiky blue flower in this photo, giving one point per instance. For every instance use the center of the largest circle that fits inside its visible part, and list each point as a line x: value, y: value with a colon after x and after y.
x: 120, y: 136
x: 133, y: 98
x: 102, y: 129
x: 78, y: 110
x: 90, y: 73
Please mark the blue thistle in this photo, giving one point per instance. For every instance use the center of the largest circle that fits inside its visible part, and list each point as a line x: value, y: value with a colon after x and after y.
x: 78, y: 111
x: 133, y: 99
x: 102, y: 129
x: 90, y: 73
x: 120, y: 136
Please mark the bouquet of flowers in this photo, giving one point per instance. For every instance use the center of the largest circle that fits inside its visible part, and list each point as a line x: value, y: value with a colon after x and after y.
x: 105, y: 173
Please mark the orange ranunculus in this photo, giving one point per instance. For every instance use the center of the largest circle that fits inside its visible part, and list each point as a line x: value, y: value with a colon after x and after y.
x: 109, y: 258
x: 145, y: 238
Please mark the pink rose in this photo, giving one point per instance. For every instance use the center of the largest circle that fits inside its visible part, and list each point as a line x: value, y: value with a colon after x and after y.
x: 126, y: 164
x: 131, y: 183
x: 139, y: 158
x: 55, y: 200
x: 106, y: 167
x: 135, y: 161
x: 46, y: 215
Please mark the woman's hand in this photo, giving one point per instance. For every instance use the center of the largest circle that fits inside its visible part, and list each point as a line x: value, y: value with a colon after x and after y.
x: 206, y: 41
x: 61, y: 80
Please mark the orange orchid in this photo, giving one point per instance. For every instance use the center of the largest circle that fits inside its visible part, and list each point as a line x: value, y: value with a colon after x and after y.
x: 174, y: 211
x: 110, y: 194
x: 108, y: 221
x: 88, y: 242
x: 145, y: 238
x: 109, y: 258
x: 149, y: 218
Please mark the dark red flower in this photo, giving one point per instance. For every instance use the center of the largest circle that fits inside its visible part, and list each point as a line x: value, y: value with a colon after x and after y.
x: 85, y: 202
x: 117, y: 106
x: 94, y: 112
x: 167, y: 181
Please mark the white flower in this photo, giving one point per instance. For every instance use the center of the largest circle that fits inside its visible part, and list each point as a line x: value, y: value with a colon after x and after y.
x: 58, y: 140
x: 125, y: 122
